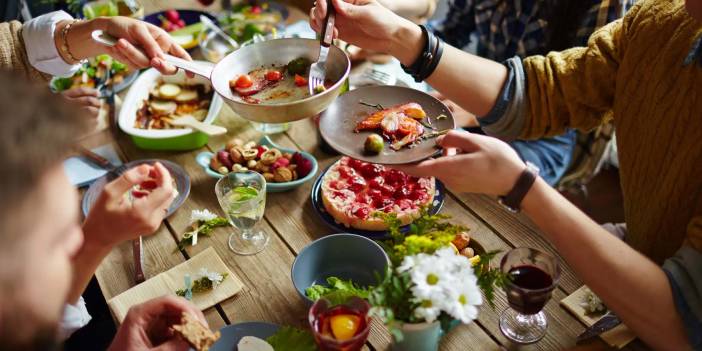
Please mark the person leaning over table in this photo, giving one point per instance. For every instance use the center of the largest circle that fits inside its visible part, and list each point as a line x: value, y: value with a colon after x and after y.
x: 33, y: 51
x: 35, y: 48
x: 644, y: 73
x: 505, y: 29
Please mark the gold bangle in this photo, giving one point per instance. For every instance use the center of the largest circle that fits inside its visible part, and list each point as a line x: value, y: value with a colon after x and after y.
x: 64, y: 41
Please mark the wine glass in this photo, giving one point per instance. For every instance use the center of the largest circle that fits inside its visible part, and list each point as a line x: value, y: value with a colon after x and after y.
x: 322, y: 315
x: 533, y: 276
x: 242, y: 197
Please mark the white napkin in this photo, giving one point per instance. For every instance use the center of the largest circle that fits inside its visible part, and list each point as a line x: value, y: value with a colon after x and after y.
x: 82, y: 171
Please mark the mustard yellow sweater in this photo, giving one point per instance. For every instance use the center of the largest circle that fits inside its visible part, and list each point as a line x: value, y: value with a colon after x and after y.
x: 632, y: 71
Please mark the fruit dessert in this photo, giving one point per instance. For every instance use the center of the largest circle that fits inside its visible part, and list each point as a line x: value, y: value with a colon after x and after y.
x: 353, y: 190
x: 276, y: 166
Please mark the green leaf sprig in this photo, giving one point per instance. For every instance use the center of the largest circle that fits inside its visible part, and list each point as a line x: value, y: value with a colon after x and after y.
x: 202, y: 228
x: 201, y: 285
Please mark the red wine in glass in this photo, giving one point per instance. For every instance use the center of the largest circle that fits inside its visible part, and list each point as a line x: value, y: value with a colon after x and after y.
x: 533, y: 276
x: 534, y: 283
x: 205, y: 2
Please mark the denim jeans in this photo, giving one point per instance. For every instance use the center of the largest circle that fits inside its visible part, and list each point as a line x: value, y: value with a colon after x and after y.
x: 551, y: 155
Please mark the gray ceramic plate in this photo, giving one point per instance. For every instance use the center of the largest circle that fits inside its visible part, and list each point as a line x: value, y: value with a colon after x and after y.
x: 232, y: 334
x: 181, y: 177
x: 339, y: 120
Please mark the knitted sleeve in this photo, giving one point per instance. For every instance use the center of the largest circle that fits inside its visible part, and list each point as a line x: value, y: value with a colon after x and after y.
x: 13, y: 55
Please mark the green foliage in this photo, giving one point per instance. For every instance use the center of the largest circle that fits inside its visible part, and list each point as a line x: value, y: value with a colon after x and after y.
x: 61, y: 84
x: 201, y: 285
x: 203, y: 229
x: 292, y: 339
x: 336, y: 289
x: 489, y: 279
x: 392, y: 299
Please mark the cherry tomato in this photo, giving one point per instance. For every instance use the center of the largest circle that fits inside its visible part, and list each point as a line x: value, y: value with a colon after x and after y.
x: 180, y: 23
x: 244, y: 81
x: 300, y: 81
x: 256, y: 10
x: 274, y: 76
x: 172, y: 15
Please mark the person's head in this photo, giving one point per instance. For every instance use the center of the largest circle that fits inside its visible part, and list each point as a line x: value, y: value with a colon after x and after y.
x: 39, y: 219
x: 694, y: 8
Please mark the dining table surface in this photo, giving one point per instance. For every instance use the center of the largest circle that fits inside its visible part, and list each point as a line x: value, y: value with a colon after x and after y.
x: 292, y: 223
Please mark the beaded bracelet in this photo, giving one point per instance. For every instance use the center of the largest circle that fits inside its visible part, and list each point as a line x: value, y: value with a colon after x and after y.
x: 64, y: 39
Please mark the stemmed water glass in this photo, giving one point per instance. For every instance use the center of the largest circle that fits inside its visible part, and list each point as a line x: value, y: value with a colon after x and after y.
x: 533, y: 276
x: 242, y: 197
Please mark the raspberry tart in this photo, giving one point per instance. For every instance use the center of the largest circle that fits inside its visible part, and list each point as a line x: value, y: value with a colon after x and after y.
x: 353, y: 190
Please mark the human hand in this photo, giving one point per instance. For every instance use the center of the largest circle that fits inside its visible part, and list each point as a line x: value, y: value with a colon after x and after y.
x: 86, y: 98
x: 472, y: 163
x: 364, y: 23
x: 115, y: 217
x: 139, y: 45
x: 148, y: 326
x: 463, y: 118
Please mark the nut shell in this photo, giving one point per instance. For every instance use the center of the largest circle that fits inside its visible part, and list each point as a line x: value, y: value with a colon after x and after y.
x: 236, y: 155
x: 270, y: 156
x: 282, y: 175
x: 250, y: 145
x: 270, y: 177
x: 249, y: 154
x: 222, y: 170
x: 251, y: 164
x: 468, y: 252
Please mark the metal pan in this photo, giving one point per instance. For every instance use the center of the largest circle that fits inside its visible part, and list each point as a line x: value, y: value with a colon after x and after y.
x: 337, y: 123
x: 276, y: 52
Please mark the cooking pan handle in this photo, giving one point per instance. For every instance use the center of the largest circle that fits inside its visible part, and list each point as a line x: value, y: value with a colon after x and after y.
x: 198, y: 68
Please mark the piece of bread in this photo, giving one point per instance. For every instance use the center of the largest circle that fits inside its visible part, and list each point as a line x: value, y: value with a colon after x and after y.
x: 195, y: 333
x: 342, y: 203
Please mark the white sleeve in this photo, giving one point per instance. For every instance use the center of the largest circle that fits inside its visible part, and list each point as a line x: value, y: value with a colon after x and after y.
x: 38, y: 35
x: 74, y: 317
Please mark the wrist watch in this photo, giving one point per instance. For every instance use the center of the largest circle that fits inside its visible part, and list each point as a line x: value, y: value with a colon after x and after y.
x: 513, y: 200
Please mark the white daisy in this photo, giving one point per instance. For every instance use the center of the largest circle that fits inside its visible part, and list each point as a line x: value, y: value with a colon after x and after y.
x: 214, y: 277
x: 429, y: 277
x: 463, y: 300
x: 427, y: 311
x: 201, y: 215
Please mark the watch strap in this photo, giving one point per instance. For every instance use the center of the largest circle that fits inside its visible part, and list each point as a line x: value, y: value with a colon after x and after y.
x: 513, y: 200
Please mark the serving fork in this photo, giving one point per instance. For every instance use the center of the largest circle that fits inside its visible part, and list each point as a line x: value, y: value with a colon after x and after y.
x: 318, y: 69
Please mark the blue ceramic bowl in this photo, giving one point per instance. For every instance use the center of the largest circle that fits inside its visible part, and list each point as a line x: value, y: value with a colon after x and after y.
x: 204, y: 158
x: 345, y: 256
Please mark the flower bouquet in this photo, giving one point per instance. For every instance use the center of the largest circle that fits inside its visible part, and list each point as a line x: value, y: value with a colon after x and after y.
x: 429, y: 287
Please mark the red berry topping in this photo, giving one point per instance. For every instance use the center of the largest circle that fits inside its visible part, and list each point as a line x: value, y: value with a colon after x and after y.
x: 338, y: 194
x: 363, y: 198
x: 375, y: 193
x: 405, y: 204
x: 362, y: 212
x: 346, y: 172
x: 387, y: 190
x: 356, y: 164
x: 377, y: 182
x: 402, y: 192
x: 394, y: 177
x: 357, y: 184
x: 371, y: 170
x: 417, y: 195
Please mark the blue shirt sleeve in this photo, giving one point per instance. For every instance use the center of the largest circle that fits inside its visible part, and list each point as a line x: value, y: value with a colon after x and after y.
x: 684, y: 271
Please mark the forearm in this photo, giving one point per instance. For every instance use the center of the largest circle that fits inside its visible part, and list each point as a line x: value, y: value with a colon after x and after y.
x: 79, y: 39
x: 86, y: 262
x: 634, y: 287
x: 472, y: 82
x: 410, y: 9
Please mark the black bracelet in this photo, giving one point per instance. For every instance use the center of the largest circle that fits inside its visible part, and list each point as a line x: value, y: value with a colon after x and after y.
x: 429, y: 55
x: 417, y: 65
x: 435, y: 61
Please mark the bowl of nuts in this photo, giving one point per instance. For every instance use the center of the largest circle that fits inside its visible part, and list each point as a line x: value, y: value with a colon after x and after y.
x: 283, y: 168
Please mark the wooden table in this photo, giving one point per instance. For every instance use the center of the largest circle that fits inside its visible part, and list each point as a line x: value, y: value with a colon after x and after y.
x: 292, y: 223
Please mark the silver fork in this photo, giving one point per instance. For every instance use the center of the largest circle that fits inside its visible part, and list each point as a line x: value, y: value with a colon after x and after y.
x: 318, y: 69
